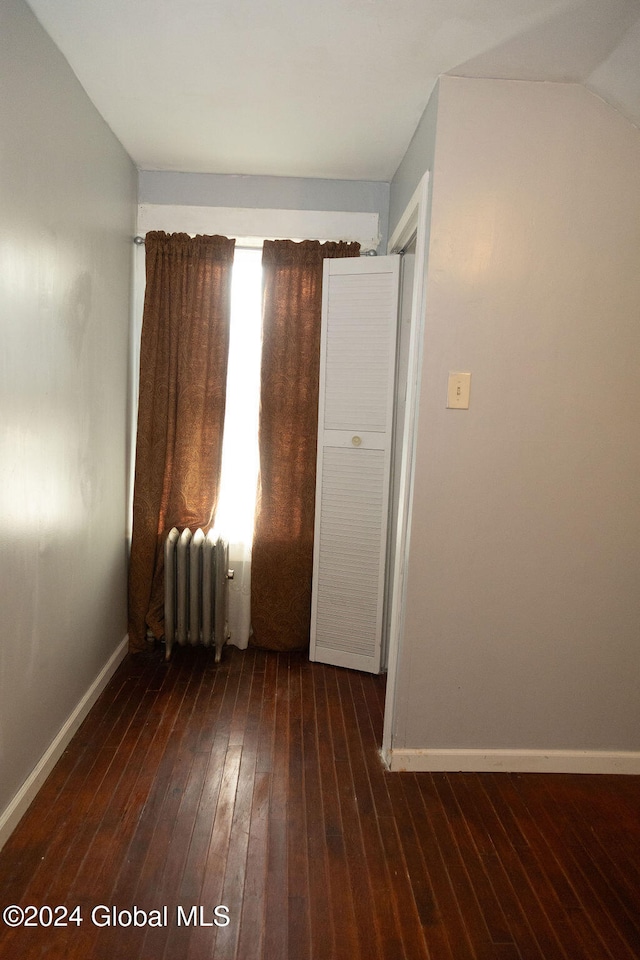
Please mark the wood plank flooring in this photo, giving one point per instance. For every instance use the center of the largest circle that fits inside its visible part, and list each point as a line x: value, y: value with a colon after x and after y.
x: 256, y: 784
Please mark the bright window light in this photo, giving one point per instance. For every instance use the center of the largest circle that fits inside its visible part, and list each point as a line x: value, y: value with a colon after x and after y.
x: 236, y: 502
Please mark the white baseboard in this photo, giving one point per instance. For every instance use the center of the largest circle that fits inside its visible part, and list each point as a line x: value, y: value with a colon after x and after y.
x: 514, y: 761
x: 16, y: 809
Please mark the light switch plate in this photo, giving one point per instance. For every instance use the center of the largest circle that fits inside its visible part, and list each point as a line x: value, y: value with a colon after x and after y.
x: 458, y: 390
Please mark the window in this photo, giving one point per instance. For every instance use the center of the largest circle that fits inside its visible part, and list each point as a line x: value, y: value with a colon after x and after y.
x: 236, y: 503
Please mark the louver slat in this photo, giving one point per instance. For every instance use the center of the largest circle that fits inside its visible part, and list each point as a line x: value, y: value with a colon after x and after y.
x: 354, y: 447
x: 349, y: 567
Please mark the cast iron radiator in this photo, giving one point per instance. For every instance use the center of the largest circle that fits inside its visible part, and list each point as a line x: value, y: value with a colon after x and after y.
x: 196, y: 590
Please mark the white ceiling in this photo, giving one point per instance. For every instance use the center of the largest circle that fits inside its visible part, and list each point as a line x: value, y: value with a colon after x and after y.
x: 320, y: 88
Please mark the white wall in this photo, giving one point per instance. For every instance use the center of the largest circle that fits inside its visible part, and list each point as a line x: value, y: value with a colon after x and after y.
x: 278, y: 193
x: 67, y: 194
x: 523, y: 605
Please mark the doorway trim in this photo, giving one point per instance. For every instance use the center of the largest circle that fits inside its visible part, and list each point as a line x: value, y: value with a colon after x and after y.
x: 414, y: 222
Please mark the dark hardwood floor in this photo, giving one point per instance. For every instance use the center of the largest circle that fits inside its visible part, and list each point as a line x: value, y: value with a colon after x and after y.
x: 257, y: 785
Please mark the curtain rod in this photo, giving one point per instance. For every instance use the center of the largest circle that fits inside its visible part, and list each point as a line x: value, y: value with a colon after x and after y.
x: 139, y: 242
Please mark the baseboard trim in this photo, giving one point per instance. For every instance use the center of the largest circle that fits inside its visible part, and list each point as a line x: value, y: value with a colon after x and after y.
x: 514, y: 761
x: 17, y: 808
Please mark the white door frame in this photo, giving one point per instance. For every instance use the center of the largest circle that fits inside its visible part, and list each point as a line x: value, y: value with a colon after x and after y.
x: 413, y: 223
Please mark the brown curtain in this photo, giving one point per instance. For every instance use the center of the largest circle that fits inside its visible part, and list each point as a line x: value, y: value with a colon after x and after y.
x: 183, y: 373
x: 282, y: 558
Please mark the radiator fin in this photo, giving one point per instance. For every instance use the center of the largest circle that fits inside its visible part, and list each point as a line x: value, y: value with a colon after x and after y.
x: 196, y: 590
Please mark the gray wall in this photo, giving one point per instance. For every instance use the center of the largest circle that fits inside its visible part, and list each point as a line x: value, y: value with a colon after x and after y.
x: 523, y: 606
x: 278, y: 193
x: 67, y: 194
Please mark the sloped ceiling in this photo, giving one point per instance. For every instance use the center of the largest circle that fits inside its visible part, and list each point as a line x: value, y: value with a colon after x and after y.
x: 329, y: 89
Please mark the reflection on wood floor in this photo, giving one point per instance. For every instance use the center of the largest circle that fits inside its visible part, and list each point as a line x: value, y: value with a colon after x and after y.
x: 257, y: 784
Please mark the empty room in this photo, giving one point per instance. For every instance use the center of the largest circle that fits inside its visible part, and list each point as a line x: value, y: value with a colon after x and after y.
x: 319, y: 459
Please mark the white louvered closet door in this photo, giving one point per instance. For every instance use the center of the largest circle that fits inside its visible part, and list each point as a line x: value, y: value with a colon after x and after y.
x: 357, y: 372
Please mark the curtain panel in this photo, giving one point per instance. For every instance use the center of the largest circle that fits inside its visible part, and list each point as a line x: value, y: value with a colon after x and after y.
x: 183, y: 373
x: 282, y: 559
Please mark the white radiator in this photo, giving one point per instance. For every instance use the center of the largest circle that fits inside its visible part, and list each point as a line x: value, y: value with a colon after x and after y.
x: 196, y: 590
